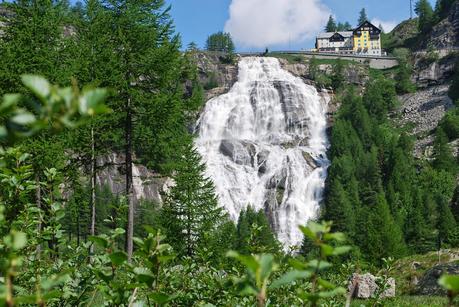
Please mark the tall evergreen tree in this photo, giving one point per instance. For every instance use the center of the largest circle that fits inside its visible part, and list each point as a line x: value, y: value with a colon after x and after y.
x: 191, y: 211
x: 426, y: 15
x: 362, y: 16
x: 443, y: 157
x: 148, y: 105
x: 331, y: 25
x: 220, y: 41
x: 254, y: 234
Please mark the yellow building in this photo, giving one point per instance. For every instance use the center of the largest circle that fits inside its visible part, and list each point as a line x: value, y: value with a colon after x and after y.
x: 367, y: 39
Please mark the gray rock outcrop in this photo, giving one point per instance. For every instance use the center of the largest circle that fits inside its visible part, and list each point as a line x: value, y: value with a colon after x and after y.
x: 428, y: 285
x: 214, y: 74
x: 424, y: 110
x: 365, y: 286
x: 146, y: 183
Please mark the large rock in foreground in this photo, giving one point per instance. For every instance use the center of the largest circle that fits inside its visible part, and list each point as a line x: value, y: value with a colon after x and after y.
x: 428, y: 285
x: 365, y: 286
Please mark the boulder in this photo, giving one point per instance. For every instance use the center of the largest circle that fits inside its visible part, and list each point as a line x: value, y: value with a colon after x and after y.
x: 365, y: 286
x: 428, y: 285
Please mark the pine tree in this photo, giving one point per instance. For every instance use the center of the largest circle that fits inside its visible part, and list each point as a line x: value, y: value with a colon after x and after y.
x: 33, y: 43
x: 339, y: 209
x: 426, y: 15
x: 331, y: 25
x: 443, y: 157
x: 362, y: 16
x: 191, y: 211
x: 148, y: 107
x: 254, y: 234
x: 221, y: 42
x: 447, y: 233
x: 383, y: 237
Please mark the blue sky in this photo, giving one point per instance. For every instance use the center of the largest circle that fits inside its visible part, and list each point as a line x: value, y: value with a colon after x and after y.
x: 277, y: 24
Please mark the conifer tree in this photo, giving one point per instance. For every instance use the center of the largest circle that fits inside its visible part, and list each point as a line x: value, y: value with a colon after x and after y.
x: 443, y: 157
x: 191, y: 211
x: 447, y: 232
x: 339, y: 209
x: 148, y: 106
x: 362, y: 16
x: 254, y: 234
x: 331, y: 25
x: 33, y: 43
x: 426, y: 15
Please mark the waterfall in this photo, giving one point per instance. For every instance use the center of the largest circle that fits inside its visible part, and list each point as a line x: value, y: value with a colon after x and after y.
x: 264, y: 144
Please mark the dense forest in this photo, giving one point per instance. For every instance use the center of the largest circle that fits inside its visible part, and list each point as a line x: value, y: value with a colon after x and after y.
x: 84, y: 81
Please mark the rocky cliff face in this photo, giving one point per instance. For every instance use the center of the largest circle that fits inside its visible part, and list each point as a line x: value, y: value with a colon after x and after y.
x: 446, y: 33
x: 215, y: 73
x: 436, y: 71
x: 147, y: 184
x: 423, y: 111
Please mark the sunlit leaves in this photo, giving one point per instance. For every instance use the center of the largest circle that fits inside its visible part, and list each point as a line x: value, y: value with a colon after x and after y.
x: 50, y: 107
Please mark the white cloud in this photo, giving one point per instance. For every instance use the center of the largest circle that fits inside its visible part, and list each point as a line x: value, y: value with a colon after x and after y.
x: 387, y: 25
x: 261, y: 23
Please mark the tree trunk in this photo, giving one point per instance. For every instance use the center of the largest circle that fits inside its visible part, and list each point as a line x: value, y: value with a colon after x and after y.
x: 38, y: 200
x: 93, y: 189
x: 129, y: 196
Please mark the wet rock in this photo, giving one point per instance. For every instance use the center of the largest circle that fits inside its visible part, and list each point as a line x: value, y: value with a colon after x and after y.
x: 242, y: 153
x: 310, y: 160
x: 428, y: 285
x: 365, y: 286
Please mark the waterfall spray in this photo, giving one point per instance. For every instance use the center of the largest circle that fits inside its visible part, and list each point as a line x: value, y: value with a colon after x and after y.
x: 264, y: 144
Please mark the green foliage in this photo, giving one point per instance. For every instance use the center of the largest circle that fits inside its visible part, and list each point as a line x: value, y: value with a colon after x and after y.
x: 221, y: 42
x: 403, y: 78
x: 454, y: 88
x: 451, y: 284
x: 362, y: 16
x: 375, y: 184
x: 259, y: 269
x: 331, y: 25
x: 52, y: 105
x: 426, y: 15
x: 254, y: 234
x: 190, y: 211
x: 337, y: 77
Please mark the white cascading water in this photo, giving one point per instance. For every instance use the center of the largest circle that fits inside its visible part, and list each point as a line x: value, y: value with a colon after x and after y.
x: 264, y: 144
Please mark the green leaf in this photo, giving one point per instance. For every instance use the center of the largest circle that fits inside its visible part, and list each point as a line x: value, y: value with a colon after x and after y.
x: 266, y: 265
x: 91, y: 101
x: 341, y: 250
x: 144, y: 276
x: 23, y: 119
x: 308, y: 233
x: 289, y: 277
x: 99, y: 241
x: 118, y: 258
x: 18, y: 240
x: 9, y: 100
x: 38, y: 85
x: 160, y: 298
x: 337, y: 236
x: 325, y: 284
x: 450, y: 283
x: 320, y: 265
x: 327, y: 250
x: 248, y: 260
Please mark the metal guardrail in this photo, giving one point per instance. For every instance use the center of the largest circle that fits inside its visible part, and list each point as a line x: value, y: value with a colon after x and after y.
x: 385, y: 57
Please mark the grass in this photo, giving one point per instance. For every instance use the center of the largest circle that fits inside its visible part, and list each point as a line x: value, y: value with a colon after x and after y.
x: 406, y: 301
x: 404, y: 271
